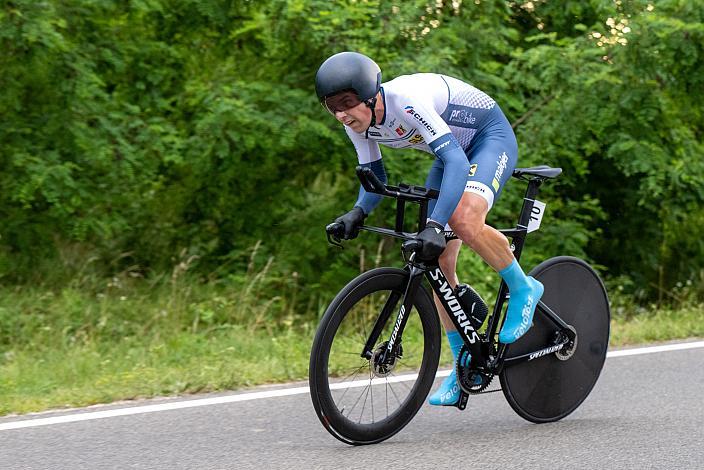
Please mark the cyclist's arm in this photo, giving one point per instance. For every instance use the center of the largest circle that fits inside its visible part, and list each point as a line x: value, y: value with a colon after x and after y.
x: 446, y: 148
x: 369, y: 156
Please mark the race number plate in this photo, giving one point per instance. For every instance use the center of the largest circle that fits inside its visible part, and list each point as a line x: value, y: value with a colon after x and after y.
x: 536, y: 216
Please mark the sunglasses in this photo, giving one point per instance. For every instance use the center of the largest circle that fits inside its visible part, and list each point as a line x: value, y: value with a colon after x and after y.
x: 341, y: 101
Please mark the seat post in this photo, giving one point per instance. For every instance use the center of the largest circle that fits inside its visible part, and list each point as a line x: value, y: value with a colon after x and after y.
x: 524, y: 217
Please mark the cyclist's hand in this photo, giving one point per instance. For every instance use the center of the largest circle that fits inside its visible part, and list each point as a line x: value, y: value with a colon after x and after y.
x: 433, y: 238
x: 352, y: 221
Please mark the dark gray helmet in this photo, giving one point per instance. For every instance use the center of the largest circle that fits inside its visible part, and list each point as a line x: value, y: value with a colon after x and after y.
x: 348, y: 71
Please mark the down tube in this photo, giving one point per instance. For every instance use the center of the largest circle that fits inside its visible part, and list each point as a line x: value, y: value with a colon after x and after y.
x: 447, y: 297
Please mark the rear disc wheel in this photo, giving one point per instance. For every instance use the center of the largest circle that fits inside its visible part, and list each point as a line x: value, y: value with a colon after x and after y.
x: 551, y: 387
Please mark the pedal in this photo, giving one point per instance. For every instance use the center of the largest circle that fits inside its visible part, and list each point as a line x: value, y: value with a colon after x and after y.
x: 462, y: 402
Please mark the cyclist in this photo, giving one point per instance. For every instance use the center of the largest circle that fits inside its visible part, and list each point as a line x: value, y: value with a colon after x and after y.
x: 475, y: 153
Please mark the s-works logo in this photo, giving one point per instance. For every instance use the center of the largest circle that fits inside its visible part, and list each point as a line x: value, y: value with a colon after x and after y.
x: 419, y: 118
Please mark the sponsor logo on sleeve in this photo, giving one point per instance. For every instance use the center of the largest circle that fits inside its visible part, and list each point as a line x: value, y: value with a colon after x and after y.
x: 472, y: 169
x: 419, y: 118
x: 400, y: 130
x: 441, y: 146
x: 375, y: 134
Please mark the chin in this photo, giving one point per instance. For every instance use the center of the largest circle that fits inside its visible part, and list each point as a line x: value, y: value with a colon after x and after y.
x: 358, y: 128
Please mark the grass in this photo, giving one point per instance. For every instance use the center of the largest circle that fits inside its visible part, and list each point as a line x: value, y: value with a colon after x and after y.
x: 125, y: 340
x: 183, y: 363
x: 658, y: 325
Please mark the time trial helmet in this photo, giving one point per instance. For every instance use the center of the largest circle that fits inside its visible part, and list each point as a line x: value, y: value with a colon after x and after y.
x: 348, y: 71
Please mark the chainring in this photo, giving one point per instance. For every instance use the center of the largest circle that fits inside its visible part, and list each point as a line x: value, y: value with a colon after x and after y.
x: 471, y: 380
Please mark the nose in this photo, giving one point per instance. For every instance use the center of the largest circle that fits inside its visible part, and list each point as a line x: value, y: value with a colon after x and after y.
x: 340, y: 115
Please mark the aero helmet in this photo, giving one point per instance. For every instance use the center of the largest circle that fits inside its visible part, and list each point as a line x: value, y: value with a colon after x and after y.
x: 349, y: 71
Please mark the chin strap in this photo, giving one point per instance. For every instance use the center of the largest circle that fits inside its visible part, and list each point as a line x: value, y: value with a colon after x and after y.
x: 371, y: 104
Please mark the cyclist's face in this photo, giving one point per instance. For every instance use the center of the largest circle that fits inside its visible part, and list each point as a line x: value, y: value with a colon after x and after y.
x: 349, y: 110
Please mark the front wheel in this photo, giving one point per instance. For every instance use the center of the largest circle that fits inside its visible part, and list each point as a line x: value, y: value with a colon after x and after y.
x: 551, y: 387
x: 359, y: 400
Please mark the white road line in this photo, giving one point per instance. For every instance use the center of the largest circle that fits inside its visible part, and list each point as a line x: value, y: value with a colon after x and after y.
x: 178, y: 405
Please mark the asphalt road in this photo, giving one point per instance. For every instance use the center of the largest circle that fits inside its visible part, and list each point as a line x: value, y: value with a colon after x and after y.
x: 646, y: 411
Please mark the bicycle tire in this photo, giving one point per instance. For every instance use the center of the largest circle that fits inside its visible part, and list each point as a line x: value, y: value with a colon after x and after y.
x: 548, y: 388
x: 424, y: 314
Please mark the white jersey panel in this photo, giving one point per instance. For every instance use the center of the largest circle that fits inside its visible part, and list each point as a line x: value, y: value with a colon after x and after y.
x: 421, y: 107
x: 367, y: 149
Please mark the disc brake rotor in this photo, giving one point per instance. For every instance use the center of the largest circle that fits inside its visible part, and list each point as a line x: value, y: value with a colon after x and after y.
x: 567, y: 351
x: 383, y: 369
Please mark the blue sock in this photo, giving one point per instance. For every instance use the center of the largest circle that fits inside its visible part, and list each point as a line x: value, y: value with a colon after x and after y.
x: 449, y: 391
x: 525, y: 293
x: 455, y: 341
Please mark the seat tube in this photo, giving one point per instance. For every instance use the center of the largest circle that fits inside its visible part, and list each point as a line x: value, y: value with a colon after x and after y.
x: 524, y: 217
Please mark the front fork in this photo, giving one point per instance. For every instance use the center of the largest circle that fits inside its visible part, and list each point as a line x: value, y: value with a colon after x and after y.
x: 415, y: 276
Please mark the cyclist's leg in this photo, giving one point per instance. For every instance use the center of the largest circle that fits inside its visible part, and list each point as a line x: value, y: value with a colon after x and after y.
x: 449, y: 392
x: 493, y: 157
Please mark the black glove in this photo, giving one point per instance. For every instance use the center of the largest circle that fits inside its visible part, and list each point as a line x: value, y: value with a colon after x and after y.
x: 433, y: 238
x: 352, y: 221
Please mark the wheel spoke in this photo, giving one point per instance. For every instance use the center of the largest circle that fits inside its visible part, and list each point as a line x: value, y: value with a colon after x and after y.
x: 348, y: 388
x: 371, y: 391
x: 358, y: 398
x: 394, y: 393
x: 402, y: 382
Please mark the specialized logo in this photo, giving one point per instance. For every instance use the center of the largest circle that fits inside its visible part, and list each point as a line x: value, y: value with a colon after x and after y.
x: 472, y: 169
x: 399, y: 320
x: 419, y: 118
x: 454, y: 306
x: 500, y: 167
x: 542, y: 353
x: 416, y: 139
x: 400, y: 130
x: 462, y: 116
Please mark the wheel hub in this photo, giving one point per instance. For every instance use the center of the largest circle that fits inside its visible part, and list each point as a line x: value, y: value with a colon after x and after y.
x: 381, y: 368
x: 567, y: 351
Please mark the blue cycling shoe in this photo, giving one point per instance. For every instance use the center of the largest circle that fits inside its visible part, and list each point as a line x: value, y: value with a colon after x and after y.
x: 449, y: 392
x: 521, y: 307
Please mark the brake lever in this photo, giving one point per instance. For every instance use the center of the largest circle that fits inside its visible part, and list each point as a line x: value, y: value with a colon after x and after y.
x: 331, y: 231
x: 333, y: 240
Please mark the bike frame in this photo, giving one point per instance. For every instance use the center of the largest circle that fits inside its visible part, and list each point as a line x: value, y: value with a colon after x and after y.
x: 481, y: 347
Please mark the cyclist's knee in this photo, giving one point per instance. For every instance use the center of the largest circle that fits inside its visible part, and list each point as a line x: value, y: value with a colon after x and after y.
x: 468, y: 219
x: 471, y: 207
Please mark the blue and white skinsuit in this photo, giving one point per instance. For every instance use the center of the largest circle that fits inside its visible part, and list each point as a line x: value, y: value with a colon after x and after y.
x: 476, y: 152
x: 462, y: 126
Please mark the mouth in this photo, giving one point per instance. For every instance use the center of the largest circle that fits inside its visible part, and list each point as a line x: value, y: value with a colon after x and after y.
x: 349, y: 123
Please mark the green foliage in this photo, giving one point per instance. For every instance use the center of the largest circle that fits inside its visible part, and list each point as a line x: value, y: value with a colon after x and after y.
x: 135, y: 135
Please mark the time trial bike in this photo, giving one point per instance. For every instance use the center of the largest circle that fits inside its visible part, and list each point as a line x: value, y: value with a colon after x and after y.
x: 377, y: 347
